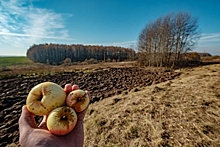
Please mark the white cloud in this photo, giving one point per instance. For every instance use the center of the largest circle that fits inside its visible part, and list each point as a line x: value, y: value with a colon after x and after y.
x: 212, y: 37
x: 4, y: 34
x: 127, y: 44
x: 22, y: 24
x: 206, y: 39
x: 208, y: 42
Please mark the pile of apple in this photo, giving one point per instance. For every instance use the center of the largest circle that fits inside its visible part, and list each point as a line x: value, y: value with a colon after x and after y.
x: 49, y: 99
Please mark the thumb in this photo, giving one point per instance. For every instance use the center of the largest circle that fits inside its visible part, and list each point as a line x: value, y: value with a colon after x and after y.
x: 26, y: 120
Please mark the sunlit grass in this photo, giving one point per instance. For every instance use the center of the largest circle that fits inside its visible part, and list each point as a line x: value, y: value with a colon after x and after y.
x: 15, y: 60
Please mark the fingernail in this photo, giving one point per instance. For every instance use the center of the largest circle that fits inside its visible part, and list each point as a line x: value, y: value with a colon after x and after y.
x: 75, y: 87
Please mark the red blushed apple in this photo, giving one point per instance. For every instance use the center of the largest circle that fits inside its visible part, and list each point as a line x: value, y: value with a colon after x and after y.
x: 78, y: 100
x: 61, y: 120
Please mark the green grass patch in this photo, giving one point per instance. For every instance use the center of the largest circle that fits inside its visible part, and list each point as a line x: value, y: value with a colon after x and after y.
x: 15, y: 60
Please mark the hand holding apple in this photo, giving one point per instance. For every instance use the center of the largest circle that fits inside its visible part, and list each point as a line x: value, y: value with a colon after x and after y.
x: 49, y: 99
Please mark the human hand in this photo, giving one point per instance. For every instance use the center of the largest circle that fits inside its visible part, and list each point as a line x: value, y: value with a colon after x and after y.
x: 32, y: 135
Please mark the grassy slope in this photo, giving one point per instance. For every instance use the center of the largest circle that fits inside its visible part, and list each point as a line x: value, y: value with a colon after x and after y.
x: 181, y: 112
x: 10, y: 61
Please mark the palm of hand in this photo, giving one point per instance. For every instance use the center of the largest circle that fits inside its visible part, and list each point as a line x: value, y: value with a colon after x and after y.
x: 33, y: 135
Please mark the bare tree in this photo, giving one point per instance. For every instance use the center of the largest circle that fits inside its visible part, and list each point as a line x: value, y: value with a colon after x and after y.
x: 163, y: 42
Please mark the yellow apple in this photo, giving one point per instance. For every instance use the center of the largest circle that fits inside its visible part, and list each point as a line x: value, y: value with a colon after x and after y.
x: 61, y: 120
x: 45, y: 97
x: 78, y: 100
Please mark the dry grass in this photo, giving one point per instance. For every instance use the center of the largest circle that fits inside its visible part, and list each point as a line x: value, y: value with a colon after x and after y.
x: 181, y: 112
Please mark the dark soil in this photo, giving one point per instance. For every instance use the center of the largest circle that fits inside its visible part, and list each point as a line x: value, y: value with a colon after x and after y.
x: 101, y: 84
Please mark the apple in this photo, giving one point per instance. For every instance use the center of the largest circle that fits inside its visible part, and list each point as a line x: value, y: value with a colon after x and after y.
x: 78, y: 100
x: 61, y: 120
x: 45, y: 97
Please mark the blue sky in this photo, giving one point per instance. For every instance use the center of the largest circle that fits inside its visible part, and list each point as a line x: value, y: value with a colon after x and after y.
x: 97, y: 22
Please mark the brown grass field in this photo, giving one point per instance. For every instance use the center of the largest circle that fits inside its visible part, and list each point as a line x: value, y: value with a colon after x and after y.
x: 181, y: 112
x: 184, y: 111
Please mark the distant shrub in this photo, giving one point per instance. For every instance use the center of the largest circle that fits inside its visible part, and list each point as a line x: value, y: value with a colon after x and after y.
x: 205, y: 55
x: 92, y: 61
x: 193, y: 56
x: 67, y: 60
x: 108, y: 60
x: 114, y: 60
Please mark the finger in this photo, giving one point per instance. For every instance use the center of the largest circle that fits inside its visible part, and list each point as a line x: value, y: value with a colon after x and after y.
x: 26, y: 120
x: 75, y: 87
x: 43, y: 124
x: 88, y: 94
x: 68, y: 88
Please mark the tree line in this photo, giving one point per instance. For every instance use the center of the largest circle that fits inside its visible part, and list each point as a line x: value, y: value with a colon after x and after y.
x: 56, y: 54
x: 166, y: 41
